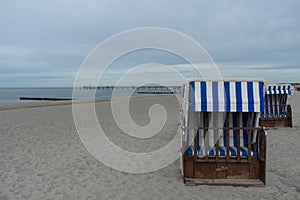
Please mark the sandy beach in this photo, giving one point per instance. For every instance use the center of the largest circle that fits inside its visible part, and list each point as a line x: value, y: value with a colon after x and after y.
x: 42, y: 157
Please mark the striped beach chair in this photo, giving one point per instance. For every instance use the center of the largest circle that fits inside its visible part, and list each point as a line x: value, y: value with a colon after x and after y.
x: 221, y: 139
x: 277, y: 112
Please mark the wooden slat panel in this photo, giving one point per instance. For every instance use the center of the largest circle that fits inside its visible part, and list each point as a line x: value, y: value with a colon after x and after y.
x: 238, y: 170
x: 254, y: 169
x: 207, y: 170
x: 189, y: 167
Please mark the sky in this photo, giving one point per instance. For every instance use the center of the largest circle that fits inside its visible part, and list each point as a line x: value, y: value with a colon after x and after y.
x: 43, y: 43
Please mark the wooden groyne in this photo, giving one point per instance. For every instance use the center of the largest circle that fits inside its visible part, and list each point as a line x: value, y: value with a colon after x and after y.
x: 43, y: 99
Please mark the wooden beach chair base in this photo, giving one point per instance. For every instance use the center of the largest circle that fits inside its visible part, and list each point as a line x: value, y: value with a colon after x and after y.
x: 226, y: 171
x: 225, y: 182
x: 231, y: 174
x: 278, y: 122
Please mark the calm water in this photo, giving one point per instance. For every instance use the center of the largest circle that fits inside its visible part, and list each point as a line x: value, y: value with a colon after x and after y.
x: 12, y: 95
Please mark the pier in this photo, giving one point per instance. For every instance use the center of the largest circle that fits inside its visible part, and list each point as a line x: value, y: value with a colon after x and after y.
x: 150, y: 89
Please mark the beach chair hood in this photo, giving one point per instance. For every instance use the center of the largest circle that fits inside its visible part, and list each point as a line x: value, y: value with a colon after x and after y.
x: 280, y: 89
x: 226, y: 95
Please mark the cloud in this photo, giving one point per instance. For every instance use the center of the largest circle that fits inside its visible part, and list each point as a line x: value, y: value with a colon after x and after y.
x: 55, y: 37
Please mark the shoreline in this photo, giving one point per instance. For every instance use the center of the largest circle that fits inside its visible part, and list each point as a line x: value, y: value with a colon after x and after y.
x: 25, y: 105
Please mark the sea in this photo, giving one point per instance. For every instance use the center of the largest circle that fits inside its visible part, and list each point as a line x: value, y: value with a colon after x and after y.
x: 12, y: 95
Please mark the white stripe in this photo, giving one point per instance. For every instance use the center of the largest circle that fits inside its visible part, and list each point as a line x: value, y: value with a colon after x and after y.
x: 211, y: 141
x: 273, y: 106
x: 221, y: 96
x: 201, y: 131
x: 221, y: 120
x: 256, y: 97
x: 241, y: 132
x: 256, y: 124
x: 232, y: 97
x: 231, y: 142
x: 209, y: 96
x: 244, y: 97
x: 197, y: 97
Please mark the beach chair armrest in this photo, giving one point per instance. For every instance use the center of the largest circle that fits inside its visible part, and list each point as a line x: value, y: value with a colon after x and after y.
x: 262, y: 144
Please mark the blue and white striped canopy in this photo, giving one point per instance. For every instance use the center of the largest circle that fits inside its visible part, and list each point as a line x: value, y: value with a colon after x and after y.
x: 278, y: 89
x: 227, y: 96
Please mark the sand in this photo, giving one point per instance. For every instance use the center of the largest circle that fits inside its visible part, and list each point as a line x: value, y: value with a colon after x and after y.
x: 42, y: 157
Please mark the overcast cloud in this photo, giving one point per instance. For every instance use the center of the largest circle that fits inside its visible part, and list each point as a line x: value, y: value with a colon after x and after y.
x: 45, y: 42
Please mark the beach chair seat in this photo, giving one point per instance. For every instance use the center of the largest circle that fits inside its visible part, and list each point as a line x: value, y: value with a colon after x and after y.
x: 222, y: 139
x: 222, y: 152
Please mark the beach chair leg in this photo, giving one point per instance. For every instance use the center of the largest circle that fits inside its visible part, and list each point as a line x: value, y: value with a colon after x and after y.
x: 289, y: 122
x: 263, y: 156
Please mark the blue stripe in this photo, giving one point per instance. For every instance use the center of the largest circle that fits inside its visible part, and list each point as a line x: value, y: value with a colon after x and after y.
x: 211, y: 153
x: 250, y: 97
x: 189, y: 151
x: 192, y: 95
x: 203, y: 97
x: 244, y: 153
x: 278, y: 89
x: 254, y: 153
x: 270, y: 90
x: 284, y: 90
x: 227, y: 96
x: 261, y: 96
x: 244, y: 122
x: 232, y: 151
x: 198, y: 139
x: 234, y: 124
x: 215, y: 96
x: 224, y: 132
x: 222, y: 152
x: 238, y: 90
x: 275, y: 89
